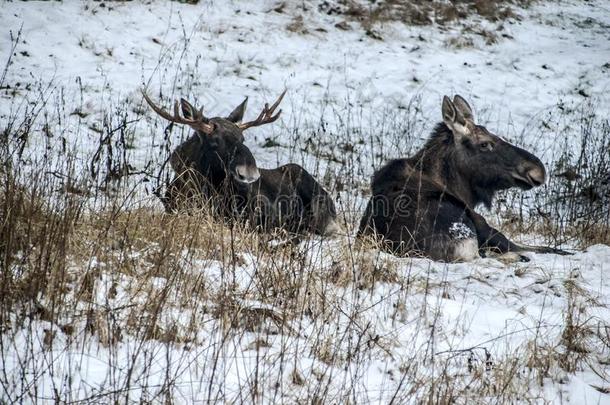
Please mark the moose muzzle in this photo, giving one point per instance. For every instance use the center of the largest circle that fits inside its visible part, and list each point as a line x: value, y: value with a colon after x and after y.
x: 246, y: 174
x: 530, y: 175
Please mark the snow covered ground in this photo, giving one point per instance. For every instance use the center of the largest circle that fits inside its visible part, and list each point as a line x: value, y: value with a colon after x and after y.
x: 78, y: 64
x: 216, y: 53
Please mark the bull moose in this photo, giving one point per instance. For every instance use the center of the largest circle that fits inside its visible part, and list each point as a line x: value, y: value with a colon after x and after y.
x: 425, y: 204
x: 215, y: 167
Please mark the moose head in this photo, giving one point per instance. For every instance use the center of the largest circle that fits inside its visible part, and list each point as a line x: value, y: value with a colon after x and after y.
x: 221, y: 150
x: 485, y: 161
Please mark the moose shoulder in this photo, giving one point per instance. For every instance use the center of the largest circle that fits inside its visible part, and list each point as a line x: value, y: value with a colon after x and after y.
x: 215, y: 167
x: 425, y: 204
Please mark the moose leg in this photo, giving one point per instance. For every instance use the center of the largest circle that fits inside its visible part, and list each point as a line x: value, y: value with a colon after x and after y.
x: 491, y: 238
x: 542, y: 249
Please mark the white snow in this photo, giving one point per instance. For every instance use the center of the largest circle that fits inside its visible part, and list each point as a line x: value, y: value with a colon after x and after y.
x: 92, y: 60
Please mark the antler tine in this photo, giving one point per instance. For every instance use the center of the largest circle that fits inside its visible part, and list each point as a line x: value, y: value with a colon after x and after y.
x: 157, y: 109
x: 266, y: 115
x: 277, y: 102
x: 195, y: 124
x: 177, y: 111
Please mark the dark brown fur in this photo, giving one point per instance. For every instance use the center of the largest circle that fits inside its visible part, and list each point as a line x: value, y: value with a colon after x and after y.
x: 425, y: 204
x: 214, y: 168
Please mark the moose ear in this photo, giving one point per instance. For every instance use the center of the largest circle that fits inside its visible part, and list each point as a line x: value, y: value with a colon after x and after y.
x: 453, y: 118
x: 188, y: 111
x: 449, y: 112
x: 238, y: 113
x: 463, y: 107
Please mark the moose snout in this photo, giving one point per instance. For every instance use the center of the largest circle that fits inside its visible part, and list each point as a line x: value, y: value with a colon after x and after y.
x: 247, y: 174
x: 532, y: 175
x: 536, y: 175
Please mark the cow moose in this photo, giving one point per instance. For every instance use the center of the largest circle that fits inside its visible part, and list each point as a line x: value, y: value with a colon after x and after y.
x: 425, y: 204
x: 215, y: 167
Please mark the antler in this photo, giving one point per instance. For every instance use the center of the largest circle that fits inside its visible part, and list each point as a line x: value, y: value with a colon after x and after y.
x: 196, y: 124
x: 266, y: 116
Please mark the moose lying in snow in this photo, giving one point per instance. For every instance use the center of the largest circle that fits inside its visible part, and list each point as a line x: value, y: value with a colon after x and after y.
x: 425, y: 204
x: 214, y: 166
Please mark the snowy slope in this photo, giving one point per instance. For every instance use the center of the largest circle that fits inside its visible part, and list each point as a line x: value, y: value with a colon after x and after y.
x: 217, y: 53
x: 482, y: 316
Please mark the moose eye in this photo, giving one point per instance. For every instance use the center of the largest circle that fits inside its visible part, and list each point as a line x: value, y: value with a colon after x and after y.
x: 486, y: 146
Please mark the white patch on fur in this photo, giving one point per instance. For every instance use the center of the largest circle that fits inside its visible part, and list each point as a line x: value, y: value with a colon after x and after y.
x: 466, y: 250
x: 460, y: 231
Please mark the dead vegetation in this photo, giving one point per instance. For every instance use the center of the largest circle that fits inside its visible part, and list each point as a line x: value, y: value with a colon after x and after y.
x: 421, y: 13
x: 575, y: 205
x: 91, y: 264
x: 111, y: 276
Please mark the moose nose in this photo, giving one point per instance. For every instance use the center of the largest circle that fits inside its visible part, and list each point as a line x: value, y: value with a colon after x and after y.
x: 536, y: 175
x: 247, y: 174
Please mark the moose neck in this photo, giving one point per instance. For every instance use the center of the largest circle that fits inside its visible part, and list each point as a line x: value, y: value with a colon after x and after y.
x: 215, y: 172
x: 438, y: 160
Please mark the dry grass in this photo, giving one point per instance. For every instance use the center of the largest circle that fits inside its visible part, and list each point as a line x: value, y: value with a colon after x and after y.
x: 90, y: 264
x: 113, y: 276
x: 574, y: 206
x: 479, y: 22
x: 422, y: 13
